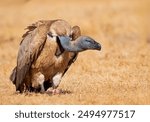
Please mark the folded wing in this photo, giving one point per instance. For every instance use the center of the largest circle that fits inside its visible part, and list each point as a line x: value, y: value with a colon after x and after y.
x: 30, y: 47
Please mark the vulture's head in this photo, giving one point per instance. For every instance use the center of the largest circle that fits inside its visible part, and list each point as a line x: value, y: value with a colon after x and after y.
x: 85, y: 43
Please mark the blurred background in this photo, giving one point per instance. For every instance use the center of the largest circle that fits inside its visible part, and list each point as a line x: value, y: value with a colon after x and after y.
x: 119, y: 74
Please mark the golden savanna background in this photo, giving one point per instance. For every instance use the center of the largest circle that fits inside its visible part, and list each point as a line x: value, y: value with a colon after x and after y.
x: 118, y: 74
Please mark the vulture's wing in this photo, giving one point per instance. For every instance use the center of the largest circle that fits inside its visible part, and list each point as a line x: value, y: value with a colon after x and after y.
x: 30, y: 47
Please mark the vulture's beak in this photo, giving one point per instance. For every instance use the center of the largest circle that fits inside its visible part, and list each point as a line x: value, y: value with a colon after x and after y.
x: 97, y: 46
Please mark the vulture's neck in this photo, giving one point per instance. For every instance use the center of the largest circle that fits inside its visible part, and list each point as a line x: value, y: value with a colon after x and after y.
x: 71, y: 46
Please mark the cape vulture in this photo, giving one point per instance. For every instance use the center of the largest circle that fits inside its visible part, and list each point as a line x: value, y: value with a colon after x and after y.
x: 47, y: 50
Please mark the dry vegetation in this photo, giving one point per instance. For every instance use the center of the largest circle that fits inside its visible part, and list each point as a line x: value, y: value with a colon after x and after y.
x: 119, y: 74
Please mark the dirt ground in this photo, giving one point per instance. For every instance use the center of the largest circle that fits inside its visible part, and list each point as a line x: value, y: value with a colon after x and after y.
x: 119, y: 74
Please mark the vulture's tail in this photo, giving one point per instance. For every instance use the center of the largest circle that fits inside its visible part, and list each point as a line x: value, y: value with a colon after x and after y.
x: 13, y: 76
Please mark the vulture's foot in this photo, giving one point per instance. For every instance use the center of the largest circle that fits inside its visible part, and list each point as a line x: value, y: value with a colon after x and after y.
x: 54, y: 91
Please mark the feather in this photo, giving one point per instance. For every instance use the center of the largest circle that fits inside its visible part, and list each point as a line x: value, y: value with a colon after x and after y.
x: 30, y: 47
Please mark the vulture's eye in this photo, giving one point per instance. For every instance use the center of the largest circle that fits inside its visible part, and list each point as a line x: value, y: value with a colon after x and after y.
x: 88, y: 41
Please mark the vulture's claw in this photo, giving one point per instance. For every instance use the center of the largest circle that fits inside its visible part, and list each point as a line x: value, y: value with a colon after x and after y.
x: 54, y: 91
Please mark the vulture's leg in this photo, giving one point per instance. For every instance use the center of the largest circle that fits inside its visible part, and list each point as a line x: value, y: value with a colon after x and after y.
x: 38, y: 82
x: 56, y: 80
x: 55, y: 83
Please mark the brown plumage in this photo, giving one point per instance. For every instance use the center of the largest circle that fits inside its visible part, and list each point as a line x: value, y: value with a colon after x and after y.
x: 43, y: 57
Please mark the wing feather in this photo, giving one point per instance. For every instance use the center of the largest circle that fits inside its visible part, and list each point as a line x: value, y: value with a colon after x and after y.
x: 30, y: 47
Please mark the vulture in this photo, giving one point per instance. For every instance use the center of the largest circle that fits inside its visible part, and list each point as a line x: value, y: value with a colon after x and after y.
x: 46, y: 51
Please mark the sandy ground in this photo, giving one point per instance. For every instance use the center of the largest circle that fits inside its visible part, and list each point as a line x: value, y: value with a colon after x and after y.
x: 119, y: 74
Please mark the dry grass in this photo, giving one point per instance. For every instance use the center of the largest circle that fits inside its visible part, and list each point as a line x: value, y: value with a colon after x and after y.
x: 119, y: 74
